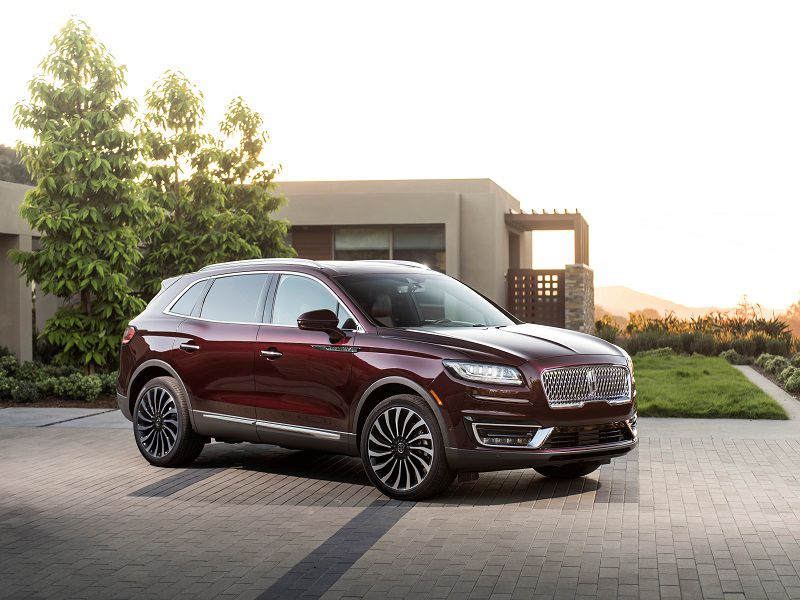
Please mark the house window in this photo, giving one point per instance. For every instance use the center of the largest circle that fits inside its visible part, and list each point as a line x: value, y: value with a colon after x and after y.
x: 423, y: 244
x: 420, y: 244
x: 362, y: 244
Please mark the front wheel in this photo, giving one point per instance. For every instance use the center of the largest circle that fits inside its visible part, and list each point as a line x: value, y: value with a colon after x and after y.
x: 403, y: 450
x: 568, y: 471
x: 161, y: 425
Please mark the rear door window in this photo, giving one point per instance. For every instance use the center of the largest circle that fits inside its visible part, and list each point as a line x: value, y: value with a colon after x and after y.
x: 235, y: 299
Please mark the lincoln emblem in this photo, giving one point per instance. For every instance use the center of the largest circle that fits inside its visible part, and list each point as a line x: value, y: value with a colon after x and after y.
x: 591, y: 381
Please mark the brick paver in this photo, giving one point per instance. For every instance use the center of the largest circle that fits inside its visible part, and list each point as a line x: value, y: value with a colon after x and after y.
x: 686, y: 515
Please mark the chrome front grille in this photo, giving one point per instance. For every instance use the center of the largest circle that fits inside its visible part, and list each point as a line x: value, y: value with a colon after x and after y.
x: 569, y: 387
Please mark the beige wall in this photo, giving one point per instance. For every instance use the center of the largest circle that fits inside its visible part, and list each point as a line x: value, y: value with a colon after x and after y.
x: 16, y: 306
x: 472, y: 211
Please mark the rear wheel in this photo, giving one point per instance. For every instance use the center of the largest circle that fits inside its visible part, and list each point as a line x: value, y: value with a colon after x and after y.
x: 403, y: 450
x: 568, y: 471
x: 161, y: 425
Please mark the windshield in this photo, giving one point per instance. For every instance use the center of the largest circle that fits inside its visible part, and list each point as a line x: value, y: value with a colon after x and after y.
x: 425, y: 300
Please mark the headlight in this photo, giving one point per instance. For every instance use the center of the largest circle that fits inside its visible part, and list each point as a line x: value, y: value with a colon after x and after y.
x: 628, y: 360
x: 484, y: 373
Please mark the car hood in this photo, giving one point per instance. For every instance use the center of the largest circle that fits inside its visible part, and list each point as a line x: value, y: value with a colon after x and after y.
x: 525, y: 341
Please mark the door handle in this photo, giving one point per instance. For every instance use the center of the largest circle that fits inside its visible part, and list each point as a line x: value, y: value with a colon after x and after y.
x: 189, y: 347
x: 271, y: 354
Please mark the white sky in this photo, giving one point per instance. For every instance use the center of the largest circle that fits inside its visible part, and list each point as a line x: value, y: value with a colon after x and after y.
x: 673, y: 126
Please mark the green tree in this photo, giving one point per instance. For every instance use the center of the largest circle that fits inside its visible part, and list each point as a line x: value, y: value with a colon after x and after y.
x: 10, y: 167
x: 84, y: 164
x: 194, y: 224
x: 250, y: 188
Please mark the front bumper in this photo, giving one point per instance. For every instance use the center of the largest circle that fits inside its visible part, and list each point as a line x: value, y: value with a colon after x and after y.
x: 487, y: 459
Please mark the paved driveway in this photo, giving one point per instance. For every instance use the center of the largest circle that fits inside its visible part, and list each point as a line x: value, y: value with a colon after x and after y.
x: 701, y: 509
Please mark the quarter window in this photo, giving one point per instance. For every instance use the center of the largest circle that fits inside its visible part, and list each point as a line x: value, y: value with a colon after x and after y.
x: 297, y: 295
x: 234, y: 299
x: 190, y: 297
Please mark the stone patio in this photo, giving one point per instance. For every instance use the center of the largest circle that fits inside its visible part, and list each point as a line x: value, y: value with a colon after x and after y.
x: 701, y: 509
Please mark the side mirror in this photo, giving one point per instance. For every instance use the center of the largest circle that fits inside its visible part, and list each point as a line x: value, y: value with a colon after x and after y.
x: 321, y: 320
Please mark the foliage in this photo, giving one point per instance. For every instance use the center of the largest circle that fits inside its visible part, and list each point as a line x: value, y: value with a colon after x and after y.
x: 749, y: 335
x: 86, y: 199
x: 698, y: 387
x: 249, y: 186
x: 657, y: 352
x: 606, y: 328
x: 10, y: 167
x: 74, y: 387
x: 31, y: 381
x: 25, y: 392
x: 733, y: 357
x: 776, y: 364
x: 194, y: 222
x: 787, y: 374
x: 793, y: 383
x: 795, y: 360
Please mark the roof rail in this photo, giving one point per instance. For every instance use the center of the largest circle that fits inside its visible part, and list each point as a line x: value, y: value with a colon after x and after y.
x: 399, y: 263
x: 261, y: 261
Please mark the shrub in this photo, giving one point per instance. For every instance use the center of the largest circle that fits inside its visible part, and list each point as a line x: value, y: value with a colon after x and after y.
x: 793, y: 384
x: 8, y: 365
x: 25, y: 392
x: 762, y: 360
x: 7, y: 386
x: 795, y: 360
x: 776, y: 364
x: 4, y: 351
x: 787, y: 374
x: 733, y: 357
x: 607, y: 329
x: 85, y: 388
x: 657, y: 352
x: 108, y: 382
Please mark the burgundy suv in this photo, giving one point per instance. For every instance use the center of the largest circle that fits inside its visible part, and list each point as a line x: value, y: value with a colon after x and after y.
x: 410, y: 369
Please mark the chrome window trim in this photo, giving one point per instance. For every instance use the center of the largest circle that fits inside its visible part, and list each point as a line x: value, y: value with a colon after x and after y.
x: 168, y: 309
x: 539, y: 438
x: 580, y: 404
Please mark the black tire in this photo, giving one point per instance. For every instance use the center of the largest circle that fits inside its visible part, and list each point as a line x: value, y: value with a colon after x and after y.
x: 416, y: 444
x: 161, y: 412
x: 568, y: 471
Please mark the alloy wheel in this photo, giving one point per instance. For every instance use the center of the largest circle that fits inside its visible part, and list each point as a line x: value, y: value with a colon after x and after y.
x: 400, y: 448
x: 157, y: 421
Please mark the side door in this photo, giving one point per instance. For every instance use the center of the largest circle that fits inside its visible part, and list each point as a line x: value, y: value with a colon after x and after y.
x: 302, y: 378
x: 215, y: 354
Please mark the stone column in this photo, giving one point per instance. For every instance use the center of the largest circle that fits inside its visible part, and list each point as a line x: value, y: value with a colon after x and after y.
x: 579, y: 298
x: 16, y: 303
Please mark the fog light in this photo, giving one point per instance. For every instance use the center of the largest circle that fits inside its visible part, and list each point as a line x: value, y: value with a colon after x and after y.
x: 505, y: 436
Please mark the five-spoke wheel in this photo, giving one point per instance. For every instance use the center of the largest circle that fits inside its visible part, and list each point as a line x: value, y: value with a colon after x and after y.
x: 402, y: 449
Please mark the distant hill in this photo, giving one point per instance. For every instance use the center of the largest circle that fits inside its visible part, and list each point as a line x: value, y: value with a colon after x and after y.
x: 621, y: 300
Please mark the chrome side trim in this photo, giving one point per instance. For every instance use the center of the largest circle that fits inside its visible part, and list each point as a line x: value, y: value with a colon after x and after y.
x: 539, y: 438
x: 231, y: 418
x: 324, y: 434
x: 168, y: 309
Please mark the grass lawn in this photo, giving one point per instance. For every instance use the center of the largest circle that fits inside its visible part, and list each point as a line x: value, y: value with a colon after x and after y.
x: 699, y: 387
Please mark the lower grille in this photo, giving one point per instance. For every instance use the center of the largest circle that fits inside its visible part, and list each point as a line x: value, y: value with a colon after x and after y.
x: 590, y: 435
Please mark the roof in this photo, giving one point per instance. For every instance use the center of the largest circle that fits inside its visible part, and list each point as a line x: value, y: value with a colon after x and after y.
x: 338, y: 267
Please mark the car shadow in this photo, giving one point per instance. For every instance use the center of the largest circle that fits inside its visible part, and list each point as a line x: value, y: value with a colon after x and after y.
x: 500, y: 488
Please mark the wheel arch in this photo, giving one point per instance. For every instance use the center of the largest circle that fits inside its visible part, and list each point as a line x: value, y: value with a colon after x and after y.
x: 148, y: 370
x: 385, y: 388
